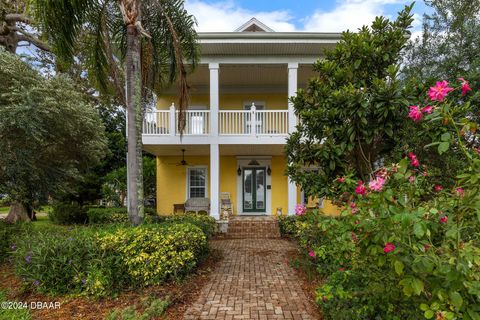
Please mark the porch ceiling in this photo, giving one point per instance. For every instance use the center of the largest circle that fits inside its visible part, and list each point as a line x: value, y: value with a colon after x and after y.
x: 225, y: 150
x: 253, y: 77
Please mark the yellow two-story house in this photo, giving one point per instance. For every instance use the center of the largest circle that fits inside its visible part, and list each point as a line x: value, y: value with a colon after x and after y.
x: 237, y: 122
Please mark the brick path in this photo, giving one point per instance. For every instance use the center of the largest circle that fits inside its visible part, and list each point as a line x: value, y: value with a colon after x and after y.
x: 253, y: 281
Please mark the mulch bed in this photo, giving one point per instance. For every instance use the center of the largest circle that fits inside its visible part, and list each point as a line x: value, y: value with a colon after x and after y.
x: 181, y: 294
x: 310, y: 282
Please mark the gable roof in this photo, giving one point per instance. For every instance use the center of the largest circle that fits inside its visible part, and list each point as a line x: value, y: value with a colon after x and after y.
x: 254, y: 25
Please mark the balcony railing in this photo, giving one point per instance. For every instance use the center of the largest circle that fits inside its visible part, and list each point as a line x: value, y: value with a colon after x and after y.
x: 230, y: 122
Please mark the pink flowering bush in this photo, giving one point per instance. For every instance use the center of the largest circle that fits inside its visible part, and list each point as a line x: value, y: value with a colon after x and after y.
x: 300, y: 209
x: 406, y: 246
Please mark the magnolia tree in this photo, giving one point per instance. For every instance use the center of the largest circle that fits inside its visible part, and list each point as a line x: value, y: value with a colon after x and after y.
x: 405, y: 246
x: 349, y: 114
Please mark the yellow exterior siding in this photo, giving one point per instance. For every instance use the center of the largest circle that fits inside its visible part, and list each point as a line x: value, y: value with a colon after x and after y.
x: 274, y: 101
x: 279, y: 185
x: 172, y: 181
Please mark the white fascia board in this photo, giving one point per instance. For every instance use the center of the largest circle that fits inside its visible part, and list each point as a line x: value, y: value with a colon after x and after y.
x: 252, y: 59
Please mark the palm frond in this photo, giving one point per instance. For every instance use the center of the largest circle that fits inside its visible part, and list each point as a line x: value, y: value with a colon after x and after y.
x: 62, y: 21
x: 174, y: 43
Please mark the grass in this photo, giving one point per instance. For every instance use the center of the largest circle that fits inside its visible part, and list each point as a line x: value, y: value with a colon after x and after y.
x: 4, y: 209
x: 12, y: 314
x: 152, y: 308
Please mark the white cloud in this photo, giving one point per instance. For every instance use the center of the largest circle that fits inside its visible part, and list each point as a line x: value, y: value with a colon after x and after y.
x: 350, y: 14
x: 228, y: 16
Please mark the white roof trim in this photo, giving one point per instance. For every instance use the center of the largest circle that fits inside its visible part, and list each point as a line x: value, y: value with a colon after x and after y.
x: 251, y: 22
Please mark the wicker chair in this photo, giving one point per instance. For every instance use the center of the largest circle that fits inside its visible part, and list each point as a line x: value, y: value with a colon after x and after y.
x: 197, y: 204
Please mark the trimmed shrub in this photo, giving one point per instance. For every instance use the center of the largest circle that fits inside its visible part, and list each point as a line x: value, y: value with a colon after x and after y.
x: 204, y: 222
x: 287, y: 225
x: 97, y: 262
x: 66, y: 213
x: 100, y: 215
x: 151, y: 254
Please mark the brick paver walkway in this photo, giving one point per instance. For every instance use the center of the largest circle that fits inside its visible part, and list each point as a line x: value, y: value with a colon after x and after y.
x: 253, y: 281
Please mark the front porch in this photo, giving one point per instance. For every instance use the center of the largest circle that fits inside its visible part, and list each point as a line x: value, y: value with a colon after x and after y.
x: 251, y: 175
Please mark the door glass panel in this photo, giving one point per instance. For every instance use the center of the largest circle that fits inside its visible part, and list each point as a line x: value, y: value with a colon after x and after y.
x: 247, y: 189
x: 260, y: 185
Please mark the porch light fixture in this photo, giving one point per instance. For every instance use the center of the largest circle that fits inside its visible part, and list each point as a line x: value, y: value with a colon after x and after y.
x: 269, y: 171
x: 253, y: 162
x: 239, y: 171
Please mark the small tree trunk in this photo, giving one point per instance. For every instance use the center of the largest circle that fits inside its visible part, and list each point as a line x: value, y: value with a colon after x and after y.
x: 135, y: 119
x: 18, y: 212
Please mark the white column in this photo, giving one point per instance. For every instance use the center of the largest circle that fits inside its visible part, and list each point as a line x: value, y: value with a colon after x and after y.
x: 214, y: 181
x: 171, y: 120
x: 292, y: 197
x: 292, y: 122
x: 214, y: 97
x: 292, y: 90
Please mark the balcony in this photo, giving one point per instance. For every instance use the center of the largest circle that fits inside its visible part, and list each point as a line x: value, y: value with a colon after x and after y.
x: 230, y: 123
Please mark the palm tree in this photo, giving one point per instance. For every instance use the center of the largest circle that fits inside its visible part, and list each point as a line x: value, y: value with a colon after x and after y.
x: 150, y: 39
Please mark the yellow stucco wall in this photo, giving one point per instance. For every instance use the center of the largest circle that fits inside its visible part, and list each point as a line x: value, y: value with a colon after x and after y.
x: 230, y: 101
x: 171, y: 181
x: 279, y: 185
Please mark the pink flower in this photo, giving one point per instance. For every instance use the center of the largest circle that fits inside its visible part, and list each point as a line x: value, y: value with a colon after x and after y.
x: 341, y: 180
x: 300, y: 209
x: 439, y: 91
x: 426, y: 247
x: 341, y: 269
x: 360, y: 189
x: 415, y: 114
x: 311, y: 254
x: 460, y: 192
x: 389, y: 247
x: 443, y: 219
x: 438, y: 188
x: 411, y: 179
x: 427, y: 109
x: 465, y: 86
x: 413, y: 159
x: 424, y: 173
x: 376, y: 184
x: 477, y: 150
x: 354, y: 237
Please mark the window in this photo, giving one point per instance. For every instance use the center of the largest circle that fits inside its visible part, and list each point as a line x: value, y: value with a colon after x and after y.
x: 197, y: 183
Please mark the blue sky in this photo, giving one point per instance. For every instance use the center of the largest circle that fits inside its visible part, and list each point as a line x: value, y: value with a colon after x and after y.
x: 299, y: 15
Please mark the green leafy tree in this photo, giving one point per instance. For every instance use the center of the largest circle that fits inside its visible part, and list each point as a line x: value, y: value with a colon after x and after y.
x: 114, y: 188
x: 450, y: 42
x: 49, y: 135
x: 151, y: 39
x: 350, y: 111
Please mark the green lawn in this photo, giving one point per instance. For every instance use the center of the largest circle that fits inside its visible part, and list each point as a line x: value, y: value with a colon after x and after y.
x: 12, y: 314
x: 4, y: 209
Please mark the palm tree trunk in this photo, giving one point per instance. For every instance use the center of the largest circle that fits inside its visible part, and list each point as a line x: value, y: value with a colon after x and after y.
x: 134, y: 129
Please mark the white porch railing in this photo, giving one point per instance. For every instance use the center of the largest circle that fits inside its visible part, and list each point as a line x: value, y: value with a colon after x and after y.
x: 230, y: 122
x: 197, y: 122
x: 157, y: 122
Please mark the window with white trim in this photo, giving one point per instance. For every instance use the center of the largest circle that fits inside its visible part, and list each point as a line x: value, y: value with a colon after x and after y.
x: 197, y: 183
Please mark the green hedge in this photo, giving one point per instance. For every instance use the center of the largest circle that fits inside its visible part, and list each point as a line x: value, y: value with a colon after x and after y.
x: 67, y: 213
x: 98, y: 261
x: 206, y: 223
x: 100, y: 215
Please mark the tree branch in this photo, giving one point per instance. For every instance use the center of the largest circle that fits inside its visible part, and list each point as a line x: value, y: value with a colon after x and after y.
x: 17, y: 17
x: 25, y: 36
